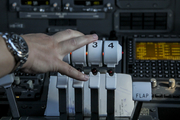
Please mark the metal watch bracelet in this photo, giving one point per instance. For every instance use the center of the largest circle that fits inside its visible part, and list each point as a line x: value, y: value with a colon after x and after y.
x: 13, y: 42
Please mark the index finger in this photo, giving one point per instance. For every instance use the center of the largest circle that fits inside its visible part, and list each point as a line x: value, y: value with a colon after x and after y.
x: 68, y: 70
x: 67, y: 34
x: 75, y: 43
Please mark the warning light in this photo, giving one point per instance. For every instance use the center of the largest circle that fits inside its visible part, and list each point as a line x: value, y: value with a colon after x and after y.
x: 17, y: 96
x: 47, y: 3
x: 94, y: 71
x: 111, y: 72
x: 86, y: 53
x: 103, y: 53
x: 96, y: 3
x: 29, y: 2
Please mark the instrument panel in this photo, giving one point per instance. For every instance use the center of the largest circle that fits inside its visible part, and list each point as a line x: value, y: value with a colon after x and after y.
x: 147, y: 30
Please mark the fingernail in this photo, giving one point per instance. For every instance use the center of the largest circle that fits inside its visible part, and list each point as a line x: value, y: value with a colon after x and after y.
x: 86, y: 77
x: 95, y: 36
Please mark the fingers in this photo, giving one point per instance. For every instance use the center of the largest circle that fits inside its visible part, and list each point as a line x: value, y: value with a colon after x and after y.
x: 68, y: 70
x: 75, y: 43
x: 67, y: 34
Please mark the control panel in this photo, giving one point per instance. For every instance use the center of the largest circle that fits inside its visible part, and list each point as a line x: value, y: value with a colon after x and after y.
x: 88, y: 6
x: 153, y: 56
x: 28, y: 86
x: 138, y: 44
x: 29, y: 90
x: 35, y: 5
x: 155, y: 59
x: 85, y: 98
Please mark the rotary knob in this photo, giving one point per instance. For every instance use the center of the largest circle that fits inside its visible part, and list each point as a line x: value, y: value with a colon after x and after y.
x: 30, y: 84
x: 153, y: 82
x: 17, y: 80
x: 55, y: 5
x: 172, y: 82
x: 14, y: 4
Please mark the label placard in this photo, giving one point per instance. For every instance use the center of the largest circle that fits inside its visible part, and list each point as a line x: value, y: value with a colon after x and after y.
x: 142, y: 91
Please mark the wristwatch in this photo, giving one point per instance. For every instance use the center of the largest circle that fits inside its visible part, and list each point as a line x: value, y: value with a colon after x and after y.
x: 18, y: 48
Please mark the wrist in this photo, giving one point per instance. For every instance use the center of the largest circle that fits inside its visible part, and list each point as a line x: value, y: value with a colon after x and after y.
x: 18, y: 47
x: 29, y: 59
x: 7, y: 60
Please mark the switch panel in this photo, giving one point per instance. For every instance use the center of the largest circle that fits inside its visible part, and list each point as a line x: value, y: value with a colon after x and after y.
x: 123, y: 97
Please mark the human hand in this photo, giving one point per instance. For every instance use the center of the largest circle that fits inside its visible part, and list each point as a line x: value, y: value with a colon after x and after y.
x: 46, y: 52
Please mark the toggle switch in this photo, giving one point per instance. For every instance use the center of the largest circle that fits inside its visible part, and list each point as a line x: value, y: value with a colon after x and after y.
x: 111, y: 81
x: 95, y: 53
x: 153, y: 82
x: 94, y: 80
x: 78, y: 56
x: 78, y: 90
x: 17, y: 80
x: 30, y: 84
x: 112, y: 53
x: 172, y: 82
x: 67, y: 58
x: 62, y: 81
x: 94, y: 85
x: 40, y: 77
x: 77, y: 83
x: 6, y: 82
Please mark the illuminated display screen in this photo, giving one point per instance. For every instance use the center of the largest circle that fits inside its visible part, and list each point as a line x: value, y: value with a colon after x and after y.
x: 157, y: 51
x: 35, y: 2
x: 88, y: 2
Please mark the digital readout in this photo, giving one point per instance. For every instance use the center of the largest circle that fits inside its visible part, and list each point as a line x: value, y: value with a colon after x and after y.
x: 35, y: 2
x: 88, y: 2
x: 157, y: 51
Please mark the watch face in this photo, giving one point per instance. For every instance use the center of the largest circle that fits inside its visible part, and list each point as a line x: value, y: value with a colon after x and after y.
x: 19, y: 44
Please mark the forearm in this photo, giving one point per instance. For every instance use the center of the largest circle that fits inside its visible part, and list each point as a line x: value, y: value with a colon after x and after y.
x: 7, y: 61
